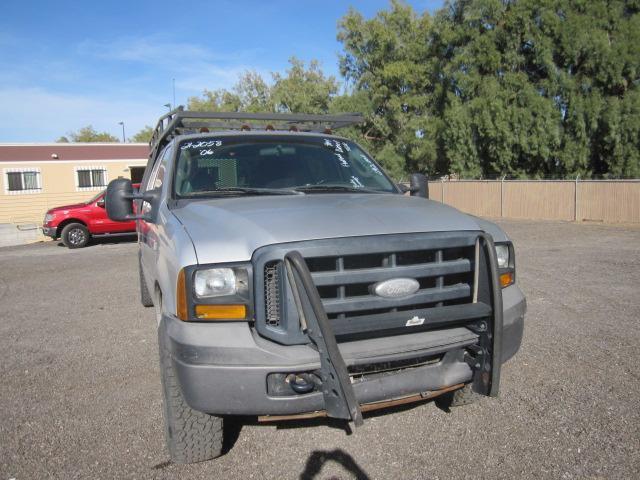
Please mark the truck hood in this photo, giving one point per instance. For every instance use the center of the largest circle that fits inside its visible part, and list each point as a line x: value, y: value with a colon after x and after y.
x: 67, y: 207
x: 231, y: 229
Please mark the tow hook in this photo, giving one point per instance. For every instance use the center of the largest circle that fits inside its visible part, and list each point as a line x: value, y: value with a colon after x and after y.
x: 302, y: 383
x: 474, y: 356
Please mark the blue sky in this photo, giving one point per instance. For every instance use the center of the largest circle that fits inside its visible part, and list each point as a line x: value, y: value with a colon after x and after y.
x: 64, y: 65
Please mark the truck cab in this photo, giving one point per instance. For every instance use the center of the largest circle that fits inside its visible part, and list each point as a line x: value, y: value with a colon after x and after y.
x: 292, y: 278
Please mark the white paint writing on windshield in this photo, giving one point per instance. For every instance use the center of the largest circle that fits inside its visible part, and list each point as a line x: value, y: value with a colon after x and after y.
x: 201, y: 144
x: 355, y: 181
x: 371, y: 165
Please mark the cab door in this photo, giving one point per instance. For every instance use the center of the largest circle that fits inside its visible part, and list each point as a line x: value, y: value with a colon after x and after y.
x: 148, y: 232
x: 101, y: 223
x: 96, y: 216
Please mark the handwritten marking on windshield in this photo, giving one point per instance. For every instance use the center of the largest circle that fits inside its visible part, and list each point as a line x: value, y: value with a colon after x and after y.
x: 201, y: 144
x: 355, y: 181
x: 342, y: 160
x: 338, y: 149
x: 371, y: 165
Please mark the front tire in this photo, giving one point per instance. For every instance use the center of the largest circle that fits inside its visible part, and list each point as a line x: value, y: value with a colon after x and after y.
x: 75, y: 235
x: 191, y: 436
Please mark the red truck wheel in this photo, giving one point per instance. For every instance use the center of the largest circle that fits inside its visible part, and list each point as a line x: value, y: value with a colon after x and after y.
x: 75, y: 235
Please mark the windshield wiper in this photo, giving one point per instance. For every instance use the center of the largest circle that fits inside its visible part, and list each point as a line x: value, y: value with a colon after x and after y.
x: 252, y: 191
x: 335, y: 188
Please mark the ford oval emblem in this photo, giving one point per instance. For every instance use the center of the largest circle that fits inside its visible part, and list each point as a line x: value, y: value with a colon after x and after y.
x: 396, y: 287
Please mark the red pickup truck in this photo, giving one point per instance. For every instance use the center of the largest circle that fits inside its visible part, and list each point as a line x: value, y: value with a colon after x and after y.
x: 76, y: 224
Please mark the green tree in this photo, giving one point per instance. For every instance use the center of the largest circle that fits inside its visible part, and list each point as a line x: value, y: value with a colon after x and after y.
x: 303, y: 90
x: 251, y: 93
x: 143, y: 136
x: 87, y: 134
x: 299, y: 90
x: 220, y: 100
x: 492, y: 87
x: 254, y: 93
x: 386, y: 61
x: 545, y: 84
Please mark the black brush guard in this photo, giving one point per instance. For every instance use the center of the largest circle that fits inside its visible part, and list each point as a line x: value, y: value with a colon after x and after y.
x: 339, y: 397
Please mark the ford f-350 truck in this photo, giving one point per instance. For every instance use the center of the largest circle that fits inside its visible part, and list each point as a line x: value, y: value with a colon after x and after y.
x: 291, y: 278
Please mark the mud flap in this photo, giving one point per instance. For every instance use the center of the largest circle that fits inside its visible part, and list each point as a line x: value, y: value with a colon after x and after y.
x: 339, y: 397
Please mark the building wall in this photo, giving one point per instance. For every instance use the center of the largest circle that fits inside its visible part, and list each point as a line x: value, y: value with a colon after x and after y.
x: 58, y: 182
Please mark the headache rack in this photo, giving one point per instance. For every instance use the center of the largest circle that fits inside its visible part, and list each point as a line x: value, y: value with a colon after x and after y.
x: 183, y: 122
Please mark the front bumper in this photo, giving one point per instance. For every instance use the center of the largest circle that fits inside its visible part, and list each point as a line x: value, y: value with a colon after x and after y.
x: 50, y: 231
x: 222, y: 368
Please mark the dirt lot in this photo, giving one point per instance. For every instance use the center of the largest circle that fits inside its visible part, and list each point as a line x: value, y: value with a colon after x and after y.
x: 80, y: 394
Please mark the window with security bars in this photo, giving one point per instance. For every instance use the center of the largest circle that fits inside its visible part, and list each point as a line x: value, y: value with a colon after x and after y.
x: 21, y: 181
x: 91, y: 178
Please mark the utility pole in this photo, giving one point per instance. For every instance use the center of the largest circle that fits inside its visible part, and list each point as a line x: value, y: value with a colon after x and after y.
x: 123, y: 137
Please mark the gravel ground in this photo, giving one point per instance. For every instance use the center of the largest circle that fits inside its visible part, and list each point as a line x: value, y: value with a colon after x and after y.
x: 80, y: 394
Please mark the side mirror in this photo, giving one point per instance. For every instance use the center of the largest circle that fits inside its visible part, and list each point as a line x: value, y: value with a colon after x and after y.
x: 100, y: 203
x: 119, y: 201
x: 419, y: 185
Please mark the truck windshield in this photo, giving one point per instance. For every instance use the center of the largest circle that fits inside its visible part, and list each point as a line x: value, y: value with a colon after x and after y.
x: 258, y: 164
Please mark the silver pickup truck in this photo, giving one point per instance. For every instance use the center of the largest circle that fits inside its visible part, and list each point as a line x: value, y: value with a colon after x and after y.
x: 291, y: 278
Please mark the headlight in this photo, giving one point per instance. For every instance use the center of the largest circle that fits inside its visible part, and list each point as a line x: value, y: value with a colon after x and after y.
x: 214, y: 293
x: 506, y: 264
x: 502, y: 254
x: 219, y: 282
x: 48, y: 217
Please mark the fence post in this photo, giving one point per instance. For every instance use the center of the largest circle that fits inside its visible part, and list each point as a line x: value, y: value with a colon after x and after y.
x: 502, y: 196
x: 575, y: 199
x: 442, y: 190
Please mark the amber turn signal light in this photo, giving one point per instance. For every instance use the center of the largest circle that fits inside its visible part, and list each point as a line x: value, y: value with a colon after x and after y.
x: 181, y: 297
x: 221, y: 312
x: 506, y: 279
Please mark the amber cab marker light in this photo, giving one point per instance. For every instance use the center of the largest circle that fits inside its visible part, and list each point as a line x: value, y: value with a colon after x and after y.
x: 181, y: 295
x: 221, y: 312
x: 506, y: 279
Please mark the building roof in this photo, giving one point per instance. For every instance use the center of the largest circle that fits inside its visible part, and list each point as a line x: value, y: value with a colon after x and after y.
x: 41, y: 152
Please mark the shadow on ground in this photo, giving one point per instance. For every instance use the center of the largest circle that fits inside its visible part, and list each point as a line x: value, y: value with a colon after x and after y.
x: 319, y: 458
x: 107, y: 240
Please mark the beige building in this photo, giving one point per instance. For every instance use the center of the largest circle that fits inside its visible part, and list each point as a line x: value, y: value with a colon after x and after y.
x: 37, y: 177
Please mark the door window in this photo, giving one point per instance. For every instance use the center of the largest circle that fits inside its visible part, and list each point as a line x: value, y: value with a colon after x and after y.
x: 156, y: 179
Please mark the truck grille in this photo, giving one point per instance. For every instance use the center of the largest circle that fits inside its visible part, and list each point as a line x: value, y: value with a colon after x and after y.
x: 272, y: 289
x: 442, y: 264
x: 345, y: 283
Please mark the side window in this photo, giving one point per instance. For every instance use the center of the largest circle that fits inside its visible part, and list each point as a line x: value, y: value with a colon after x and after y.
x: 156, y: 179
